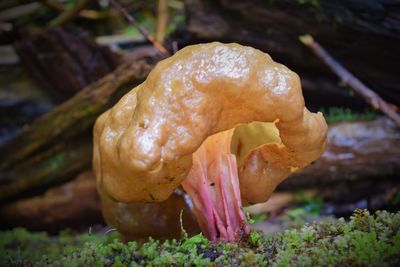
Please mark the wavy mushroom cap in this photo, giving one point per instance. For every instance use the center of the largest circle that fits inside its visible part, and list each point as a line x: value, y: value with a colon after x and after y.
x: 143, y: 146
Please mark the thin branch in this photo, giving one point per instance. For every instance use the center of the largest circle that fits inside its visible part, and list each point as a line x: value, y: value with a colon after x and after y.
x: 162, y: 20
x: 69, y: 14
x: 19, y: 11
x: 53, y: 5
x: 13, y: 3
x: 135, y: 23
x: 370, y: 96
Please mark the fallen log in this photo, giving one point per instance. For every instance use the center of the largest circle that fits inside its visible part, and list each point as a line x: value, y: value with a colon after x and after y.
x: 358, y: 170
x: 56, y: 165
x: 57, y: 146
x: 73, y: 117
x: 365, y: 150
x: 76, y: 205
x: 64, y: 60
x: 363, y: 35
x: 73, y: 205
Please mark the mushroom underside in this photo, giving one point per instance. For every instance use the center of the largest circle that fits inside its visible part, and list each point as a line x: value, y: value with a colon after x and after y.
x: 214, y: 181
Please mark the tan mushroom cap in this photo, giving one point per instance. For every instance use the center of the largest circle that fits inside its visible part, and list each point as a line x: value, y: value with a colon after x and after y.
x: 143, y: 145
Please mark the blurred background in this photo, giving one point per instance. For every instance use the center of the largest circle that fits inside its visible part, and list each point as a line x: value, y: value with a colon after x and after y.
x: 64, y: 62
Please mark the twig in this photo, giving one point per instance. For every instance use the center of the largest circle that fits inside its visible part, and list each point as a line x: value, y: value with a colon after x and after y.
x: 53, y: 5
x: 69, y: 14
x: 370, y: 96
x: 134, y: 22
x: 175, y: 47
x: 184, y: 234
x: 19, y: 11
x: 162, y: 20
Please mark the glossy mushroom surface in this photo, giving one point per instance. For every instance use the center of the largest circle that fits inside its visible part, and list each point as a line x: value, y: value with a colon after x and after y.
x: 137, y: 221
x: 146, y: 145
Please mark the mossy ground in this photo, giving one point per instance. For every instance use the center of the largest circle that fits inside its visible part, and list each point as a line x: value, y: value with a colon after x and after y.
x: 365, y: 240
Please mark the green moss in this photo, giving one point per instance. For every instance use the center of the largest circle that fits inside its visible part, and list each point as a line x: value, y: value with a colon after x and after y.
x: 334, y: 114
x: 252, y: 219
x: 372, y: 240
x: 313, y: 3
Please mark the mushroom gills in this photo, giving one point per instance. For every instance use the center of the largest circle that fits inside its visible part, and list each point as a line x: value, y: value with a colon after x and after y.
x: 247, y: 137
x: 213, y: 182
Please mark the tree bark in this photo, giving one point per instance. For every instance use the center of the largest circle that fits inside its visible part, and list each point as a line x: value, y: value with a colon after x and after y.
x: 58, y: 164
x: 356, y: 151
x: 363, y: 35
x: 74, y: 205
x: 57, y: 145
x: 64, y: 60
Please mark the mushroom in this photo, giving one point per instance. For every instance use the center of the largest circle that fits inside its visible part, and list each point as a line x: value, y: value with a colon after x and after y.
x: 223, y: 120
x: 137, y: 221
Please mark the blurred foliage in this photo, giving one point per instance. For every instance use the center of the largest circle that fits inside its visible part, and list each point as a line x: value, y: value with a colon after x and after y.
x: 305, y: 208
x: 100, y: 18
x: 256, y: 218
x: 147, y: 17
x: 396, y: 199
x: 313, y: 3
x: 310, y: 203
x: 335, y: 114
x: 366, y: 240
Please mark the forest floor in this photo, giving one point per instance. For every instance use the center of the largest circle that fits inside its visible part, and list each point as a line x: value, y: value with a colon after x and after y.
x: 363, y: 240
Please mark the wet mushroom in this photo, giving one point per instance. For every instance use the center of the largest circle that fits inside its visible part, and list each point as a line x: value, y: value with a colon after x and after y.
x: 138, y: 221
x: 223, y: 120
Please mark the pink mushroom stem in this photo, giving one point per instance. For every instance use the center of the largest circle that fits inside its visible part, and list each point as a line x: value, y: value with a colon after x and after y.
x: 213, y: 187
